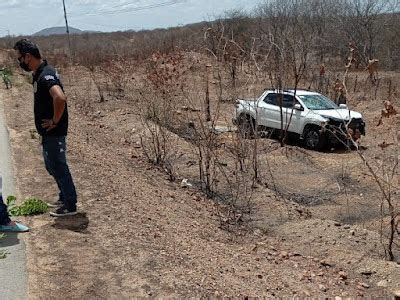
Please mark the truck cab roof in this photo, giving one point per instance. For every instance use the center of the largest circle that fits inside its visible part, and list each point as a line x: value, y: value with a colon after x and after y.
x: 299, y: 92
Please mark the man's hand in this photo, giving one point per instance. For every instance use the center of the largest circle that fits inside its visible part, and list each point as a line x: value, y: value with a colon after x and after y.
x: 48, y: 124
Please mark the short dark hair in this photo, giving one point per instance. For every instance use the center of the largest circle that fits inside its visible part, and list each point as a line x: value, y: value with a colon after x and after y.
x: 26, y: 46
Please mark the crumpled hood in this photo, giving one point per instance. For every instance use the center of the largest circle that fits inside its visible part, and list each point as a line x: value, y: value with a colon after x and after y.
x: 340, y: 114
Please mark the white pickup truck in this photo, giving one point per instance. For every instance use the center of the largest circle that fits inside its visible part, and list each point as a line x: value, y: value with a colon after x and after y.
x: 314, y: 118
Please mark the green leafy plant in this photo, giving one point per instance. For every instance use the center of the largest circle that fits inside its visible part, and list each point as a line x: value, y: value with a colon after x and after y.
x: 30, y: 207
x: 6, y: 74
x: 11, y: 200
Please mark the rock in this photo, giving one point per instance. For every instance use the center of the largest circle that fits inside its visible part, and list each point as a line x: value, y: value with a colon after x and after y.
x: 322, y: 288
x: 284, y: 254
x: 352, y: 232
x: 346, y: 226
x: 338, y: 298
x: 257, y: 232
x: 342, y: 275
x: 383, y: 283
x: 187, y: 108
x: 185, y: 183
x: 367, y: 272
x: 337, y: 224
x: 326, y: 263
x: 98, y: 114
x: 221, y: 129
x: 305, y: 275
x: 396, y: 295
x: 363, y: 285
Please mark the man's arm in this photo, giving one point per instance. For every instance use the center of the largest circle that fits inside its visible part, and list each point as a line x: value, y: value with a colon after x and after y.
x: 59, y: 100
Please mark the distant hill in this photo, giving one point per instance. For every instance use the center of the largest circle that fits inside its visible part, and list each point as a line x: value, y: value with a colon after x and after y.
x: 60, y: 30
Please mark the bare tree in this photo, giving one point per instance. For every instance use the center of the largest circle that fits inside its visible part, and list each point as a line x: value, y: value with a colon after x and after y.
x: 360, y: 20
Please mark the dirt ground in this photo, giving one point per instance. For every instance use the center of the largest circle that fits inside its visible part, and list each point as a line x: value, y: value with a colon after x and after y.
x: 140, y: 235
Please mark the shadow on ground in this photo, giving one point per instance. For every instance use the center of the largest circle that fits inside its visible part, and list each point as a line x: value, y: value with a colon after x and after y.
x: 9, y: 239
x: 77, y: 223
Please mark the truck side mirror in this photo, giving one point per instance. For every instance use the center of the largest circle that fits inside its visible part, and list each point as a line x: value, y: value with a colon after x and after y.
x: 297, y: 106
x: 343, y: 105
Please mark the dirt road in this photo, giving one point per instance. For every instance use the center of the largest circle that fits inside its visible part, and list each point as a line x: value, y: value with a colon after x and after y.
x: 13, y: 275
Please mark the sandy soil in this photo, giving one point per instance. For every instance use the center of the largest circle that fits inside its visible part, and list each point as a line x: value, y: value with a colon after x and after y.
x: 140, y: 235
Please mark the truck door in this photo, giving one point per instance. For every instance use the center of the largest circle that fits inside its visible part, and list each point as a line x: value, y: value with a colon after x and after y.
x: 270, y: 111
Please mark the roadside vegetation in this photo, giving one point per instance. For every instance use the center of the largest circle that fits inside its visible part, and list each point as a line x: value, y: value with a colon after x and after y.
x: 190, y: 78
x: 5, y: 75
x: 169, y: 97
x: 29, y: 207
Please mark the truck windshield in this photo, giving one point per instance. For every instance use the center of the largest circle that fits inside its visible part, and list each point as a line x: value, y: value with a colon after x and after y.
x: 318, y: 102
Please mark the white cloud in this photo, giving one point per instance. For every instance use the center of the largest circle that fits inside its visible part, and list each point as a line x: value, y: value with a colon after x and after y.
x: 23, y: 4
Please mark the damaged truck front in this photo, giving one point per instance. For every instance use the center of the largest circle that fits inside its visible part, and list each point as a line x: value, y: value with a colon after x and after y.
x: 314, y: 118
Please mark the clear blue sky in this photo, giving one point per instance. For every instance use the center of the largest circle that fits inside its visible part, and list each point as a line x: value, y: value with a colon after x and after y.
x: 27, y: 17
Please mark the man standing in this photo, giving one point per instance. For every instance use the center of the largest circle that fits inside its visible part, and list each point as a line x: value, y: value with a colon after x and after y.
x: 51, y: 120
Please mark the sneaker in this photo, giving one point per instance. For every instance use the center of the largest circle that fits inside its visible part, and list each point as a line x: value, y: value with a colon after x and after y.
x: 63, y: 212
x: 17, y: 227
x: 57, y: 204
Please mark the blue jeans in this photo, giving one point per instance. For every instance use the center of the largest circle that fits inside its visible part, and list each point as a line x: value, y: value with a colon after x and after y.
x: 4, y: 218
x: 55, y: 160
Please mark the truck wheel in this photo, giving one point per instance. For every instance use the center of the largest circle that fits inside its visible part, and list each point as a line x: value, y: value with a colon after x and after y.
x: 314, y: 139
x: 246, y: 126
